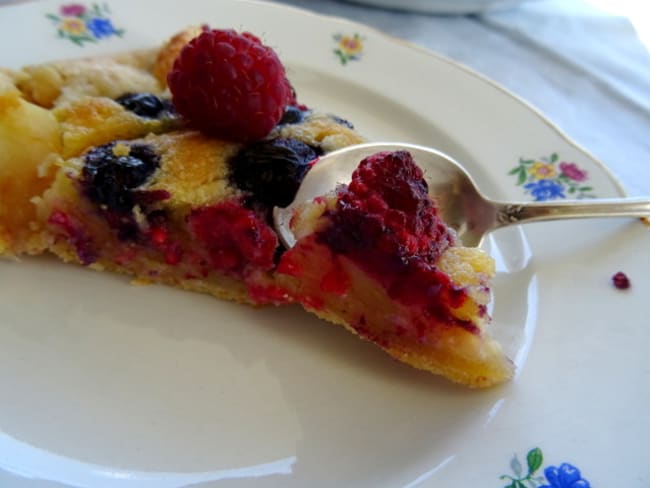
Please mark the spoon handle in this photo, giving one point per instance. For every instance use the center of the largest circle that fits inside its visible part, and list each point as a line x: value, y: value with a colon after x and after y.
x: 515, y: 213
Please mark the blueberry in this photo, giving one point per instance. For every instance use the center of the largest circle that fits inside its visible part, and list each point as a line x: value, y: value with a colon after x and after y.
x: 146, y: 105
x: 271, y: 171
x: 292, y: 115
x: 108, y: 178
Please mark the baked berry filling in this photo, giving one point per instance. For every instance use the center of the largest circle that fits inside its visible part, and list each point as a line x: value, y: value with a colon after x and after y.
x: 159, y: 235
x: 76, y: 233
x: 235, y: 238
x: 111, y: 176
x: 111, y: 172
x: 271, y: 170
x: 227, y: 236
x: 146, y: 105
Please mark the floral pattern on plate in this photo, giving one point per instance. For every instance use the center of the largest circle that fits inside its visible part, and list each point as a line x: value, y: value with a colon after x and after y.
x: 563, y: 476
x: 348, y: 48
x: 80, y: 24
x: 550, y: 178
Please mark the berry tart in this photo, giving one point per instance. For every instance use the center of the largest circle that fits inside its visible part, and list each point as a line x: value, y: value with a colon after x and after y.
x: 166, y: 165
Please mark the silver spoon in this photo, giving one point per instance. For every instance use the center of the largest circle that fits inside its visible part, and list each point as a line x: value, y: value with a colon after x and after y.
x: 462, y: 206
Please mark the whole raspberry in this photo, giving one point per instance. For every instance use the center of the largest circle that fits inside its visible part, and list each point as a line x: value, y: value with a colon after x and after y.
x: 230, y: 85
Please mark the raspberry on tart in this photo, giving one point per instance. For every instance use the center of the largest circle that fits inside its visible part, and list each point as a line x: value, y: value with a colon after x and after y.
x: 170, y: 50
x: 230, y: 85
x: 375, y: 257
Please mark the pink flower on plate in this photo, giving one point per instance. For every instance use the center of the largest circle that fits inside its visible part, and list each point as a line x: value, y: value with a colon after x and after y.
x: 571, y: 170
x: 73, y: 10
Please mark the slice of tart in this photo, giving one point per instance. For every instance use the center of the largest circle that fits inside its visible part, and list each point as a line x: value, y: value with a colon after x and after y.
x: 183, y: 208
x: 102, y: 166
x: 375, y: 257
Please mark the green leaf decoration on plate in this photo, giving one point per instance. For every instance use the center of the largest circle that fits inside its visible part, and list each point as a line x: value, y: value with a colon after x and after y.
x: 563, y: 476
x: 534, y: 458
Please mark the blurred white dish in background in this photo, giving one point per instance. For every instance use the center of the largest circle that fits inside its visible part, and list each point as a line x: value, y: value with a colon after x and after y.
x: 443, y: 6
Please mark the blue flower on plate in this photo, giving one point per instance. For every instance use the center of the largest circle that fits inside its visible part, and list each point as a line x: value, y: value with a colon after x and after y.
x: 101, y: 27
x: 545, y: 189
x: 564, y: 476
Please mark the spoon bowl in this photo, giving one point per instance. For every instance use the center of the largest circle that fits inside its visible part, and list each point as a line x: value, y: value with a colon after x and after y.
x: 461, y: 204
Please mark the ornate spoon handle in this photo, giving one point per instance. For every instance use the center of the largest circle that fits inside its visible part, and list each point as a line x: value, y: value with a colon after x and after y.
x: 517, y: 213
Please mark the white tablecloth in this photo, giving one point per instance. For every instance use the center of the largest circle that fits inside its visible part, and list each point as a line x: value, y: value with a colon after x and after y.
x: 586, y: 70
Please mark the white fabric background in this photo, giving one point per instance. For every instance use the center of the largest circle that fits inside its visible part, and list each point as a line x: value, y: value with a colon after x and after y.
x: 587, y: 71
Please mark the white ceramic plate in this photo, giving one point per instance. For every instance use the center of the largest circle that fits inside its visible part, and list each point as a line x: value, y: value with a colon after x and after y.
x: 105, y: 384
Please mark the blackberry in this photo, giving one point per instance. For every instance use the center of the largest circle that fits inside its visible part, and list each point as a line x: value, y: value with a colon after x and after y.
x: 108, y: 177
x: 146, y: 105
x: 271, y: 171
